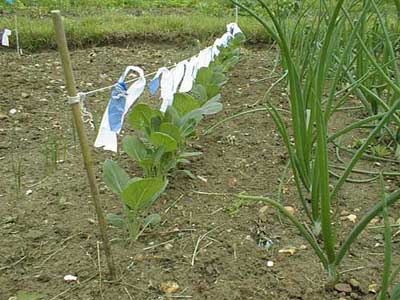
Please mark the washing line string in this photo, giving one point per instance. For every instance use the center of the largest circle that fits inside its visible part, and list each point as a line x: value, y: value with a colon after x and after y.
x: 81, y: 97
x: 91, y: 93
x: 106, y: 88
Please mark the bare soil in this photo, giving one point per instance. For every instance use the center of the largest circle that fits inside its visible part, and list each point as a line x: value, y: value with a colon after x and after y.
x: 48, y: 229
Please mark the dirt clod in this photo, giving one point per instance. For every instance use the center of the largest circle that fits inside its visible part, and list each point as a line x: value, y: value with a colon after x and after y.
x: 343, y: 288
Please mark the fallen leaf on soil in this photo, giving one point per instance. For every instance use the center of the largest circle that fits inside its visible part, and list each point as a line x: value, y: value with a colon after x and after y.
x: 169, y: 287
x: 288, y: 250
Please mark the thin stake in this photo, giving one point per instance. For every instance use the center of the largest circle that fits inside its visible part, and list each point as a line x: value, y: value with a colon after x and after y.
x: 70, y: 83
x: 19, y: 52
x: 237, y: 14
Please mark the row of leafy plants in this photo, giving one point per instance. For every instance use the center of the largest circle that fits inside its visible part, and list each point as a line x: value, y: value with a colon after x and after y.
x: 159, y: 144
x: 347, y: 50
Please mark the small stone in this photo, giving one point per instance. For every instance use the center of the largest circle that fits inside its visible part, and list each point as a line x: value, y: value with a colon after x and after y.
x: 70, y: 278
x: 12, y: 111
x: 168, y: 246
x: 169, y: 287
x: 270, y: 264
x: 354, y: 283
x: 91, y: 221
x: 25, y: 95
x: 290, y: 209
x: 28, y: 192
x: 352, y: 218
x: 373, y: 288
x: 343, y: 288
x: 354, y: 296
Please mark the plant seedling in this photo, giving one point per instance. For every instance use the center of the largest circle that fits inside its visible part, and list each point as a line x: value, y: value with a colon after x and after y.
x: 137, y: 195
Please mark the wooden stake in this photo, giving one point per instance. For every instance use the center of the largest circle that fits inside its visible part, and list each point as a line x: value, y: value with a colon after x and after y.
x: 70, y: 83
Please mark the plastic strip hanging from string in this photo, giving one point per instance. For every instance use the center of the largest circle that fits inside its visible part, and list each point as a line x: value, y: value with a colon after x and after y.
x: 122, y: 98
x: 182, y: 77
x: 5, y: 34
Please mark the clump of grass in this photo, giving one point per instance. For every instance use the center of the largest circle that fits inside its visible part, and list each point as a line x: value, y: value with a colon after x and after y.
x: 120, y: 27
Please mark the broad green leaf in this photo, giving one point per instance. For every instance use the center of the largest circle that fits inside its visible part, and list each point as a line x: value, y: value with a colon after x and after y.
x: 230, y: 63
x: 155, y: 123
x: 141, y: 116
x: 184, y: 103
x: 23, y: 295
x: 212, y: 90
x: 172, y: 116
x: 158, y: 154
x: 153, y: 220
x: 172, y: 131
x: 114, y: 176
x: 204, y: 76
x: 199, y: 92
x: 142, y: 193
x: 189, y: 127
x: 216, y: 98
x: 218, y: 78
x: 164, y: 140
x: 116, y: 221
x: 147, y: 165
x: 134, y: 147
x: 183, y: 161
x: 194, y: 117
x: 211, y: 108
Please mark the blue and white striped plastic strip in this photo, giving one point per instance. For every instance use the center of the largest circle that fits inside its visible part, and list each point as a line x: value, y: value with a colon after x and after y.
x: 122, y: 98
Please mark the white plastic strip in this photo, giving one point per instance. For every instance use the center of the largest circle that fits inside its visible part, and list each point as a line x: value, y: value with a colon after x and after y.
x: 4, y: 38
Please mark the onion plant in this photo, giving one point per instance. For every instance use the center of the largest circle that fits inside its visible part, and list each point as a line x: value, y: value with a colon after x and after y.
x: 313, y: 98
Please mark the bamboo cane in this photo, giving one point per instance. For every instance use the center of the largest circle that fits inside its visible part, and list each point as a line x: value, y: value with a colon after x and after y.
x: 71, y: 88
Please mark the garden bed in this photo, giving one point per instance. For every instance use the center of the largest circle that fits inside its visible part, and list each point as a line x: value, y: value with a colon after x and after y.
x: 49, y: 229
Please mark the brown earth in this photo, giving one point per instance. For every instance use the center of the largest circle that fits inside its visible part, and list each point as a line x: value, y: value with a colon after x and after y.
x: 48, y: 230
